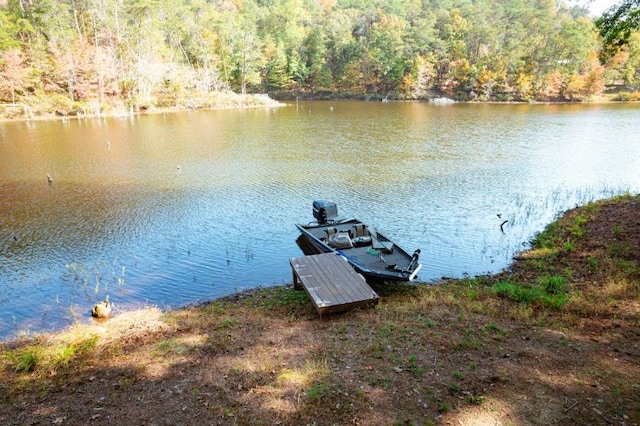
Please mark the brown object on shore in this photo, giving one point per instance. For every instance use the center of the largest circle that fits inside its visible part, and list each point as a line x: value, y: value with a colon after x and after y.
x: 101, y: 310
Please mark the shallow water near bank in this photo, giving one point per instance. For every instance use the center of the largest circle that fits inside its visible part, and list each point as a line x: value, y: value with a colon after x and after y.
x: 171, y: 209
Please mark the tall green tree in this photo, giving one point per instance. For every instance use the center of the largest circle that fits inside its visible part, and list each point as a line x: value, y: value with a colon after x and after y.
x: 632, y: 67
x: 8, y: 32
x: 246, y: 53
x: 616, y: 26
x: 386, y: 60
x: 343, y: 48
x: 316, y: 51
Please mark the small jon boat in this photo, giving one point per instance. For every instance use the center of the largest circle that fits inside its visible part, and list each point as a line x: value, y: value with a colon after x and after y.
x: 369, y: 252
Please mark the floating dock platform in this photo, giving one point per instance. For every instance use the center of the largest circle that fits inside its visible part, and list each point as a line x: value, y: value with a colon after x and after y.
x: 331, y: 283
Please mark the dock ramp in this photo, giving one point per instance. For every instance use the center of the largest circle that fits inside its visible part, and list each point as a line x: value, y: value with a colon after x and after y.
x: 331, y: 283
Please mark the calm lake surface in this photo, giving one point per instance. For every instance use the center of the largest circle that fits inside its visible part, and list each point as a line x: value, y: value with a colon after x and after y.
x: 172, y: 209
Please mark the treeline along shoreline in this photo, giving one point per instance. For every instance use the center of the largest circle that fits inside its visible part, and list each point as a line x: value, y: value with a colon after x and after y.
x: 92, y: 57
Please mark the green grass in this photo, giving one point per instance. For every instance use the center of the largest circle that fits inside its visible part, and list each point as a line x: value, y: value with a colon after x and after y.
x: 577, y: 227
x: 413, y: 367
x: 65, y: 354
x: 551, y: 291
x: 554, y: 284
x: 35, y: 357
x: 617, y: 231
x: 280, y: 296
x: 493, y: 327
x: 549, y: 238
x: 227, y: 323
x: 558, y: 234
x: 443, y: 408
x: 23, y: 362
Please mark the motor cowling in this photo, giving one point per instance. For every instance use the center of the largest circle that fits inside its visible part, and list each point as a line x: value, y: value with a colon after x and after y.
x: 324, y: 211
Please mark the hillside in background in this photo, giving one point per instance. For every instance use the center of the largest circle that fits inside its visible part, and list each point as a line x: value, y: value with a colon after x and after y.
x: 76, y: 57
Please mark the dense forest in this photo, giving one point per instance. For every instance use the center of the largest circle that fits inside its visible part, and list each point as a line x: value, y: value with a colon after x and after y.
x: 94, y: 56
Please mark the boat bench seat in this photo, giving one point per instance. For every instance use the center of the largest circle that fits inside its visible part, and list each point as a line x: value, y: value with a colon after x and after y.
x: 383, y: 246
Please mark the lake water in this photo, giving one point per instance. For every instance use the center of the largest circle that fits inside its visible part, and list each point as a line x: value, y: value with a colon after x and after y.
x: 172, y: 209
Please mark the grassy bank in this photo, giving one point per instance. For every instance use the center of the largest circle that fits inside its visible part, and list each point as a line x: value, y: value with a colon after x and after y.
x: 553, y: 340
x: 57, y: 107
x: 62, y: 108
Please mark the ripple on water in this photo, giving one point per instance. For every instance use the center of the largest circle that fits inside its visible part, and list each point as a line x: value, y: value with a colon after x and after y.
x: 123, y: 220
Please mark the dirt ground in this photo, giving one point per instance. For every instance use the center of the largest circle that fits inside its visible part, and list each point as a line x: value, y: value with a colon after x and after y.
x: 456, y: 353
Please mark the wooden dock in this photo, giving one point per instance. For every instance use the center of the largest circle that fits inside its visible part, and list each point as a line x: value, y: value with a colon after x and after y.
x: 331, y: 283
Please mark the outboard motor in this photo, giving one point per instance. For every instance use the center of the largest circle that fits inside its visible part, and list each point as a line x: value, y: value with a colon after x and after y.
x: 324, y: 211
x: 414, y: 260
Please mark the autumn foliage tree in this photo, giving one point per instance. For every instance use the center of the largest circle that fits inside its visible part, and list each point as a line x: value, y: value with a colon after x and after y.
x: 86, y: 56
x: 619, y: 28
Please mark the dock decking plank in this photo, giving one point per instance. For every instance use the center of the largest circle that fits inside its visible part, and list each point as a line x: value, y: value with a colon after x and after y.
x: 337, y: 280
x: 331, y: 283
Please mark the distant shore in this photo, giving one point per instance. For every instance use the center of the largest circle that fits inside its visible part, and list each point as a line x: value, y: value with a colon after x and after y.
x: 228, y: 101
x: 235, y: 101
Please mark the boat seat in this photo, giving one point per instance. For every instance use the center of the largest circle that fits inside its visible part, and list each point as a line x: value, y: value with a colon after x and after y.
x: 361, y: 230
x: 331, y: 231
x: 383, y: 246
